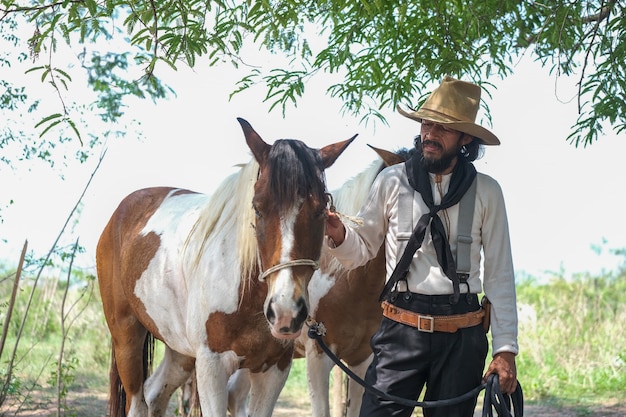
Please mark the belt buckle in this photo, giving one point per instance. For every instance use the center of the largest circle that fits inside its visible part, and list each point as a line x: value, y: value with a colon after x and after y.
x: 428, y: 319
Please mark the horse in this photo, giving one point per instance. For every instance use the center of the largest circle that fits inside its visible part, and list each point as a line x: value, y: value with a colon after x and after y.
x: 220, y: 279
x: 344, y: 301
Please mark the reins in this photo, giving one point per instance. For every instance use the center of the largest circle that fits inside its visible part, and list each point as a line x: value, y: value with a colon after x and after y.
x: 494, y: 398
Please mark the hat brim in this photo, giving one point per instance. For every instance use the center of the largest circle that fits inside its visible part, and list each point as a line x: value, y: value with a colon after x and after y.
x: 470, y: 128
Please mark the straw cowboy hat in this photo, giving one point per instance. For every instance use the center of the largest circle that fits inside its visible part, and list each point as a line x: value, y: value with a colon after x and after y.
x: 454, y: 104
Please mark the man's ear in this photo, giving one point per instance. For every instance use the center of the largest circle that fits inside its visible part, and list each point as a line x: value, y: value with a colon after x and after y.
x: 466, y: 138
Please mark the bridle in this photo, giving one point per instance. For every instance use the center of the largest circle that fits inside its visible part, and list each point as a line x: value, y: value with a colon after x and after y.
x: 289, y: 264
x: 297, y: 262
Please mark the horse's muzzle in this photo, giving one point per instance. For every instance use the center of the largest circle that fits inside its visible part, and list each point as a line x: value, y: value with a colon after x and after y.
x: 286, y: 321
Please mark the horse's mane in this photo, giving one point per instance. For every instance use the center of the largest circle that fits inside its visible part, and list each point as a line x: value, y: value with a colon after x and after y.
x: 230, y: 209
x: 350, y: 196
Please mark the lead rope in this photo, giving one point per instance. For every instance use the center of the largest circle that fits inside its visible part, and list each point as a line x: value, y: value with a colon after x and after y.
x: 494, y: 398
x: 357, y: 221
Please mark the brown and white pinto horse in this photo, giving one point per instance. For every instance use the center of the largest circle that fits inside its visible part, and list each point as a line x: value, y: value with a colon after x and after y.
x: 345, y: 301
x: 221, y: 280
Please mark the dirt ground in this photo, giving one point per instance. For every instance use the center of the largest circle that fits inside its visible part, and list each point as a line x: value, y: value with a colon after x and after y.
x: 89, y: 404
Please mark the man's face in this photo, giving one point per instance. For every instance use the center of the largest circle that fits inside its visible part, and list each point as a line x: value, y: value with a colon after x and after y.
x: 441, y: 146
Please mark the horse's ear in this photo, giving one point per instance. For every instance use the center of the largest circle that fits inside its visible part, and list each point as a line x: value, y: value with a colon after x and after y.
x: 388, y: 157
x: 259, y: 148
x: 330, y: 153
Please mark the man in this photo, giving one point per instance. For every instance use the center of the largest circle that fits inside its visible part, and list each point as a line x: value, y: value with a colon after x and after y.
x: 431, y: 333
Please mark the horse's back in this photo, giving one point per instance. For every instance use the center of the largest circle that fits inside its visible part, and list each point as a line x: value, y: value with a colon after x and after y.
x: 135, y: 210
x: 127, y: 222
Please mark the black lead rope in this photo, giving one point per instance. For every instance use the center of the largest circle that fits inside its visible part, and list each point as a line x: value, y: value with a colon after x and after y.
x: 502, y: 403
x: 494, y: 398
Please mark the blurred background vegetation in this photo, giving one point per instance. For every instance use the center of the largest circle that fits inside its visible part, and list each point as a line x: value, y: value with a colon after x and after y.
x: 572, y: 339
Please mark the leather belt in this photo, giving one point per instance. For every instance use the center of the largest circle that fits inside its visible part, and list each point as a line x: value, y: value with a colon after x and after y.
x: 430, y: 324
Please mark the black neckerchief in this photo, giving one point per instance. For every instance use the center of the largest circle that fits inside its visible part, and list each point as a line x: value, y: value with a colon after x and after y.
x: 462, y: 177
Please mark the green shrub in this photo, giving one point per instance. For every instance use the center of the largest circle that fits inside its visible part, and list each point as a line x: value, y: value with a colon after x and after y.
x: 574, y: 348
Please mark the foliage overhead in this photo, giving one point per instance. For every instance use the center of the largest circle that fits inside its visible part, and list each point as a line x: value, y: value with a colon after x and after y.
x: 381, y: 52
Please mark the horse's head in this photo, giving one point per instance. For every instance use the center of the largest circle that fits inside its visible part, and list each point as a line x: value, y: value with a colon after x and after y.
x: 290, y: 202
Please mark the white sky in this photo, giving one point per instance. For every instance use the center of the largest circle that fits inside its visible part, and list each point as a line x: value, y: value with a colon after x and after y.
x: 561, y: 200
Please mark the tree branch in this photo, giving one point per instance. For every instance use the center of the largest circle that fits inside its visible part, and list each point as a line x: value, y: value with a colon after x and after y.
x: 587, y: 54
x: 7, y: 320
x: 21, y: 9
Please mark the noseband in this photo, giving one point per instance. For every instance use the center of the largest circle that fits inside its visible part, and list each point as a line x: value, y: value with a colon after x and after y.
x: 296, y: 262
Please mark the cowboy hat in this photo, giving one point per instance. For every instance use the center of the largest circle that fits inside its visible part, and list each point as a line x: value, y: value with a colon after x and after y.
x: 454, y: 104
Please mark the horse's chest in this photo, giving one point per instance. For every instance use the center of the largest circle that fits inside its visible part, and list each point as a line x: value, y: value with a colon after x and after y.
x: 248, y: 335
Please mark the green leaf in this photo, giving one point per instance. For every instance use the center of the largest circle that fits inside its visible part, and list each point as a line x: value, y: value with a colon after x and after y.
x: 50, y: 126
x: 49, y: 118
x: 92, y: 6
x: 76, y: 131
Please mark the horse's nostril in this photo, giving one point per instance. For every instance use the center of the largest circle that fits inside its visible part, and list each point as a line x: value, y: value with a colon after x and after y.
x: 303, y: 311
x: 270, y: 315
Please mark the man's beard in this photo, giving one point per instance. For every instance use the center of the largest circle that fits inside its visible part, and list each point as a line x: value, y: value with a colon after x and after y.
x: 436, y: 166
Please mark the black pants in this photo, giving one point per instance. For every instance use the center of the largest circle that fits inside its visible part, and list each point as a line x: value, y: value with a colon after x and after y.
x: 406, y: 360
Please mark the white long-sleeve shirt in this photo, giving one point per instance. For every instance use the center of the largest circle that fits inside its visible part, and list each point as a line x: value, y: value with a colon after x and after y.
x: 490, y: 233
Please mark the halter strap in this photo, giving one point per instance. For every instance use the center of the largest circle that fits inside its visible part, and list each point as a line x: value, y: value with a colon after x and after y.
x: 295, y: 262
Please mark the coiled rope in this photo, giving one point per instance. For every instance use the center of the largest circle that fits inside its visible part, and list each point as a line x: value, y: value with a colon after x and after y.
x: 505, y: 405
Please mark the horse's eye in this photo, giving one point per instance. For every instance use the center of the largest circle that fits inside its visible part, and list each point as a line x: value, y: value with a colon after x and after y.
x: 257, y: 212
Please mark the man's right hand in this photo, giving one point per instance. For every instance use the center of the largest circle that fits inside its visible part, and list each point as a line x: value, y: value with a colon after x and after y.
x: 335, y: 228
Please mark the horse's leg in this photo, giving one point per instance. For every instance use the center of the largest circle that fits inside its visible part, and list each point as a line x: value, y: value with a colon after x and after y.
x: 265, y: 387
x: 318, y: 367
x: 238, y: 390
x: 188, y: 401
x: 212, y: 373
x: 173, y: 371
x: 355, y: 390
x: 128, y: 347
